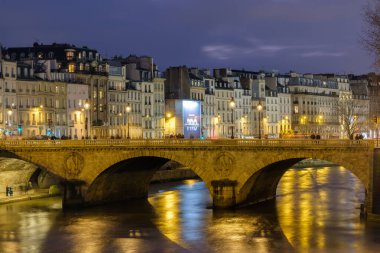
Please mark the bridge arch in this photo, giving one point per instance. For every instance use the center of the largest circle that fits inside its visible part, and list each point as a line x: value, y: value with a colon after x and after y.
x: 126, y: 179
x: 267, y: 171
x: 23, y: 176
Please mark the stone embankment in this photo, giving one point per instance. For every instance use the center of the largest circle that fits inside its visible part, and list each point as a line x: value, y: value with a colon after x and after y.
x: 307, y: 163
x: 18, y: 196
x: 173, y: 175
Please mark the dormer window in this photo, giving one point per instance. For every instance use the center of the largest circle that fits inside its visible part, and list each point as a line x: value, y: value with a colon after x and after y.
x: 69, y: 55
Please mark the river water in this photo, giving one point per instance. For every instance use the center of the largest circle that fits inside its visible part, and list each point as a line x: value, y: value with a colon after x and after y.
x: 316, y: 210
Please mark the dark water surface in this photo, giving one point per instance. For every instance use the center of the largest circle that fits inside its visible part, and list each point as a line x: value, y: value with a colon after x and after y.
x: 317, y: 210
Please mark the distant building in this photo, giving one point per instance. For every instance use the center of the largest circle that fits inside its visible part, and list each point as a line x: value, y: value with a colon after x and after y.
x: 60, y: 57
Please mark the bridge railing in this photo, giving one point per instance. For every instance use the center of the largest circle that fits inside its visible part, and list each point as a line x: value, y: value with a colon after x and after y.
x: 187, y: 142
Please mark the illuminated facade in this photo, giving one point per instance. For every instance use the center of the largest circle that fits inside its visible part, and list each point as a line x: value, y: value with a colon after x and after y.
x: 42, y: 108
x: 315, y: 110
x: 42, y: 89
x: 8, y: 110
x: 78, y: 114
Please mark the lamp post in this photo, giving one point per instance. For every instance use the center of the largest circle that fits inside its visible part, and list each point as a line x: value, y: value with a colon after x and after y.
x: 320, y: 120
x: 10, y: 112
x: 218, y: 131
x: 303, y: 122
x: 259, y: 108
x: 215, y: 122
x: 168, y: 124
x: 87, y: 124
x: 286, y: 124
x: 128, y: 109
x: 232, y: 106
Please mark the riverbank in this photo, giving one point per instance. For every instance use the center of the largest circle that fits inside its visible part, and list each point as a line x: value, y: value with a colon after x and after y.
x: 313, y: 163
x: 24, y: 196
x: 162, y: 176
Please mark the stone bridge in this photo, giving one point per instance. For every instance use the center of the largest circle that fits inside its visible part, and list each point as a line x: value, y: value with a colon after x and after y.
x: 235, y: 171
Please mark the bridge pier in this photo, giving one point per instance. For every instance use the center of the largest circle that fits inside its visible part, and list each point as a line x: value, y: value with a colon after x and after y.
x: 72, y: 194
x: 373, y: 205
x: 224, y: 193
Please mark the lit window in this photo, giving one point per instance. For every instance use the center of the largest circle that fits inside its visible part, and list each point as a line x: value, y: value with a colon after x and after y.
x: 71, y: 68
x: 69, y: 55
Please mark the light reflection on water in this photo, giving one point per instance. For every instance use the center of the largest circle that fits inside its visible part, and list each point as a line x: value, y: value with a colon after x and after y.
x: 317, y: 210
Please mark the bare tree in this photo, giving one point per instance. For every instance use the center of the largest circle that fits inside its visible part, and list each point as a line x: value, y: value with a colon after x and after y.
x: 352, y: 117
x: 371, y: 36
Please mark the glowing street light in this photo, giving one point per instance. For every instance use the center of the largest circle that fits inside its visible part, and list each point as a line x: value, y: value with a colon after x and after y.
x: 87, y: 126
x: 128, y: 109
x: 232, y: 106
x: 215, y: 122
x: 259, y: 108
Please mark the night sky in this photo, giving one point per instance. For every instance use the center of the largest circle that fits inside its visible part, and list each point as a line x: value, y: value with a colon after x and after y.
x: 300, y: 35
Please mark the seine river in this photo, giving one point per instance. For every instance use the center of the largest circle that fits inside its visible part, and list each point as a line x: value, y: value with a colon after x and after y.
x: 317, y: 210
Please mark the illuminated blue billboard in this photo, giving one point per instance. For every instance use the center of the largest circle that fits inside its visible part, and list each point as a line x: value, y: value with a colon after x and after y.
x: 191, y: 119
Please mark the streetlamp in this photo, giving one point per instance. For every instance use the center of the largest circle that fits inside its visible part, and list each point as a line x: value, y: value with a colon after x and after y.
x: 320, y: 121
x: 128, y: 109
x: 232, y: 106
x: 259, y: 108
x: 87, y: 124
x: 169, y: 125
x: 303, y: 123
x: 10, y: 112
x: 215, y: 122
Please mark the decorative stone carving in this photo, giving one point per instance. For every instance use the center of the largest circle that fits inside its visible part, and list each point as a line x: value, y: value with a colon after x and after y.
x: 223, y: 164
x: 74, y: 163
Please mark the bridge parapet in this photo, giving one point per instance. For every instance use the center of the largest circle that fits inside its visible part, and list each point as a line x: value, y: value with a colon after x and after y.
x: 188, y: 142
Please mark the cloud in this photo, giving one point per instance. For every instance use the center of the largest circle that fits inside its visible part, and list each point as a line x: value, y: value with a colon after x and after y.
x: 226, y: 51
x: 221, y: 52
x: 255, y: 47
x: 323, y: 54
